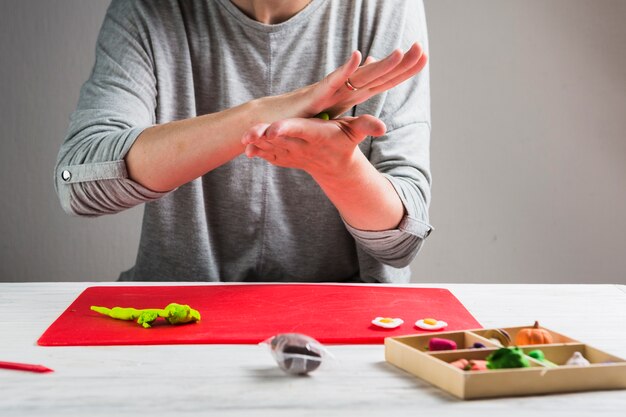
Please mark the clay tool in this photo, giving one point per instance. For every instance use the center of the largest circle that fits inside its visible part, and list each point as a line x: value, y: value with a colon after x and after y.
x: 24, y: 367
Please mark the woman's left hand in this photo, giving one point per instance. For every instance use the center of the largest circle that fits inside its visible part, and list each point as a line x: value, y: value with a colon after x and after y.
x: 323, y: 148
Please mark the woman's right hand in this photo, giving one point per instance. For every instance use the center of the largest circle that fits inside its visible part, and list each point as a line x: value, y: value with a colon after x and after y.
x: 333, y: 96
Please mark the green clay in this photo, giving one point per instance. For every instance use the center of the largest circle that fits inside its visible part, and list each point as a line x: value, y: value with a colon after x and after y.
x: 180, y: 314
x: 509, y: 357
x: 538, y: 355
x: 147, y: 317
x: 323, y: 116
x: 173, y: 313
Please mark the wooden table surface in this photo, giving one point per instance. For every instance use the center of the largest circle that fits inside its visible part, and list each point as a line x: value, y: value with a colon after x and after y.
x: 232, y: 380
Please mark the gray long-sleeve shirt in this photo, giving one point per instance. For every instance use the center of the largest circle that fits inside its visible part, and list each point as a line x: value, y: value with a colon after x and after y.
x: 164, y: 60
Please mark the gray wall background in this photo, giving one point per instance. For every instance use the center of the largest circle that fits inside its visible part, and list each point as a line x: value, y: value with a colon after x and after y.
x: 528, y: 144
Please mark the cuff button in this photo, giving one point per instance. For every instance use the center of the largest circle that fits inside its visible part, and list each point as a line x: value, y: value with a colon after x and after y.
x: 66, y: 175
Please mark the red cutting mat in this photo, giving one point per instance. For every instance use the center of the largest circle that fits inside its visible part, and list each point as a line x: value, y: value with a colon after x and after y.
x: 247, y: 314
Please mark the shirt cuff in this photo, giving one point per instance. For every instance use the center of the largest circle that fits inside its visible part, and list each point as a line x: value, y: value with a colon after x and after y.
x: 408, y: 225
x: 97, y: 188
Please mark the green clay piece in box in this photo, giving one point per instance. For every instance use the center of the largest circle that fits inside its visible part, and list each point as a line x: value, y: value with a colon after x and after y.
x: 173, y: 313
x: 323, y: 116
x: 538, y: 355
x: 508, y: 357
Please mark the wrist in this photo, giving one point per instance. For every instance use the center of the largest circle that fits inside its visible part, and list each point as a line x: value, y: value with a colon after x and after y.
x: 284, y: 106
x: 365, y: 199
x: 348, y: 173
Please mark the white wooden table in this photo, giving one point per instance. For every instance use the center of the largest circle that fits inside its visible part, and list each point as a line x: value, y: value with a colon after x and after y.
x: 230, y: 380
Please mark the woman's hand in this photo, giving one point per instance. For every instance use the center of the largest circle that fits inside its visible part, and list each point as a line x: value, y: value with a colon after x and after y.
x: 328, y: 151
x: 169, y: 155
x: 322, y: 148
x: 334, y: 96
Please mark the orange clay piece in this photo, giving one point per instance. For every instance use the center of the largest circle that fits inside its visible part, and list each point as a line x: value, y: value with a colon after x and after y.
x: 470, y: 365
x: 462, y: 364
x: 386, y: 320
x: 432, y: 322
x: 533, y: 336
x: 477, y: 365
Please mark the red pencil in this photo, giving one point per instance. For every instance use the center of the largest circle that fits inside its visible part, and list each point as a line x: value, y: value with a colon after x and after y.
x: 24, y: 367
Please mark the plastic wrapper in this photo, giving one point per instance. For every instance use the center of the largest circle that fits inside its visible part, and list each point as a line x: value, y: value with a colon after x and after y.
x: 297, y: 354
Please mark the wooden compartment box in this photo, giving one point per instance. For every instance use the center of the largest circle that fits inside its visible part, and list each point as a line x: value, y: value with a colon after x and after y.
x: 411, y: 354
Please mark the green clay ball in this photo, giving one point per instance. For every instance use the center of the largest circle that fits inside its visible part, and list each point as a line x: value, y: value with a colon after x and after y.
x: 538, y: 355
x: 323, y: 116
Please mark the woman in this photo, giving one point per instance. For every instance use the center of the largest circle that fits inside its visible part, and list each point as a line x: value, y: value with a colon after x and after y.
x: 204, y: 110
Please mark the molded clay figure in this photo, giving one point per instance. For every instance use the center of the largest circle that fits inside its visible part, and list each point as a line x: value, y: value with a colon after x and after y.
x: 173, y: 313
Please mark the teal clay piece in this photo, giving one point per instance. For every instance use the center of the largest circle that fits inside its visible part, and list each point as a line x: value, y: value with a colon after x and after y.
x: 538, y: 355
x: 508, y: 357
x: 173, y: 313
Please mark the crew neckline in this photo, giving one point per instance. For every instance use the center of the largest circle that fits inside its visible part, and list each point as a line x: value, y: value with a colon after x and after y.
x: 242, y: 18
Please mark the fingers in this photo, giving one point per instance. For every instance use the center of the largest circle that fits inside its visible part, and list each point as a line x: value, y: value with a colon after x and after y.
x: 254, y: 141
x: 305, y: 129
x: 403, y: 76
x: 253, y: 151
x: 302, y: 143
x: 262, y: 144
x: 369, y: 73
x: 254, y: 133
x: 369, y: 60
x: 269, y: 146
x: 409, y: 61
x: 278, y: 153
x: 289, y: 133
x: 336, y: 78
x: 287, y: 143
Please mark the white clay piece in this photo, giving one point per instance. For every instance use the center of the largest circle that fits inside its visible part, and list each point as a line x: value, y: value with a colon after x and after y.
x: 431, y: 324
x: 387, y: 322
x: 577, y: 359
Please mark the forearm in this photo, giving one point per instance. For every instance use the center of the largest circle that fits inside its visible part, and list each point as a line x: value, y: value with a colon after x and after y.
x: 365, y: 199
x: 169, y: 155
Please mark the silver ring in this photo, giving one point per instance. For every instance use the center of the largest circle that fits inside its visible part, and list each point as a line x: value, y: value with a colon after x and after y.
x: 350, y: 86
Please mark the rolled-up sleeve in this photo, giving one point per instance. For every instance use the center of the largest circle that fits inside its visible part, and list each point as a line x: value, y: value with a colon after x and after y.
x: 402, y: 155
x: 116, y: 104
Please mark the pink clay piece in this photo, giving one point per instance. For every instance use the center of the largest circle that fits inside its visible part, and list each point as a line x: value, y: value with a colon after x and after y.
x: 437, y: 343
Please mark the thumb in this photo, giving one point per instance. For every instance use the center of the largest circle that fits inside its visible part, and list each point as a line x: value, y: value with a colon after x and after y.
x: 359, y: 128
